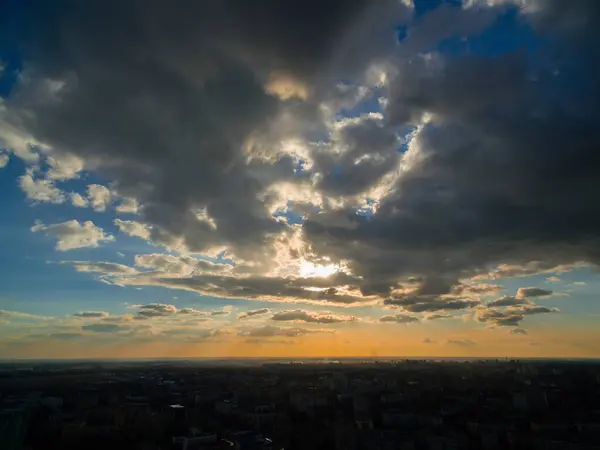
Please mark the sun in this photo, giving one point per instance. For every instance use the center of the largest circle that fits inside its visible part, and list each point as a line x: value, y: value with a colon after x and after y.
x: 308, y: 269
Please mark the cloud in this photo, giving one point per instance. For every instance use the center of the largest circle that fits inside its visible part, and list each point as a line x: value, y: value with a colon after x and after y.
x: 460, y: 172
x: 499, y: 318
x: 133, y: 228
x: 40, y: 189
x: 265, y: 288
x: 428, y: 341
x: 507, y: 300
x: 63, y: 166
x: 182, y: 265
x: 102, y: 328
x: 128, y: 206
x: 483, y: 289
x: 512, y: 316
x: 253, y: 312
x: 91, y: 314
x: 78, y: 200
x: 72, y: 234
x: 99, y: 197
x: 65, y: 336
x: 300, y: 315
x: 4, y: 159
x: 461, y: 342
x: 399, y: 318
x: 439, y: 316
x: 157, y: 310
x: 4, y: 314
x: 107, y: 268
x: 429, y: 303
x: 518, y: 331
x: 528, y: 292
x: 268, y: 331
x: 528, y: 310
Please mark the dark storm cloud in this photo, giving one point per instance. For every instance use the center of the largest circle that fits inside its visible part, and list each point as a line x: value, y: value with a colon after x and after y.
x: 370, y: 151
x: 503, y: 170
x: 162, y: 97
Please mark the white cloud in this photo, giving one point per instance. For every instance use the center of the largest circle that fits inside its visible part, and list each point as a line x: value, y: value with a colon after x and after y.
x: 78, y: 200
x: 128, y: 206
x: 72, y: 234
x: 4, y: 158
x: 99, y: 197
x: 133, y: 228
x: 63, y: 166
x: 100, y: 267
x: 40, y: 189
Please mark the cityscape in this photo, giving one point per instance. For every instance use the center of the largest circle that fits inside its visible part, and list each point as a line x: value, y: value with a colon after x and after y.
x: 252, y: 404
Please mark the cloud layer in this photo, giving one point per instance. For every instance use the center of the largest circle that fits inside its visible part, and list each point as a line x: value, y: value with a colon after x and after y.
x: 301, y: 152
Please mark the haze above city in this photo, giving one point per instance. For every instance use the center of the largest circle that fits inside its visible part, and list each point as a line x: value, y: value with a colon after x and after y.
x: 332, y: 178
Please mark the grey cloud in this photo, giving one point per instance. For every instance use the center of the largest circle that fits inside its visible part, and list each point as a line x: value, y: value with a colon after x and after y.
x: 191, y: 311
x: 527, y: 292
x: 157, y: 310
x: 100, y: 267
x: 271, y: 331
x: 91, y: 314
x: 399, y: 318
x: 65, y: 336
x: 518, y: 331
x: 102, y: 327
x: 192, y: 334
x: 311, y: 317
x: 253, y: 312
x: 257, y: 287
x: 428, y: 341
x: 499, y: 318
x: 461, y: 342
x: 439, y: 316
x: 172, y: 109
x: 425, y: 303
x: 183, y: 265
x: 488, y: 179
x: 528, y: 310
x: 350, y: 171
x: 498, y: 171
x: 507, y: 300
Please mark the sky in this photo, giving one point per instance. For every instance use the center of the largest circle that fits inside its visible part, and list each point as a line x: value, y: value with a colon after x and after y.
x: 230, y: 178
